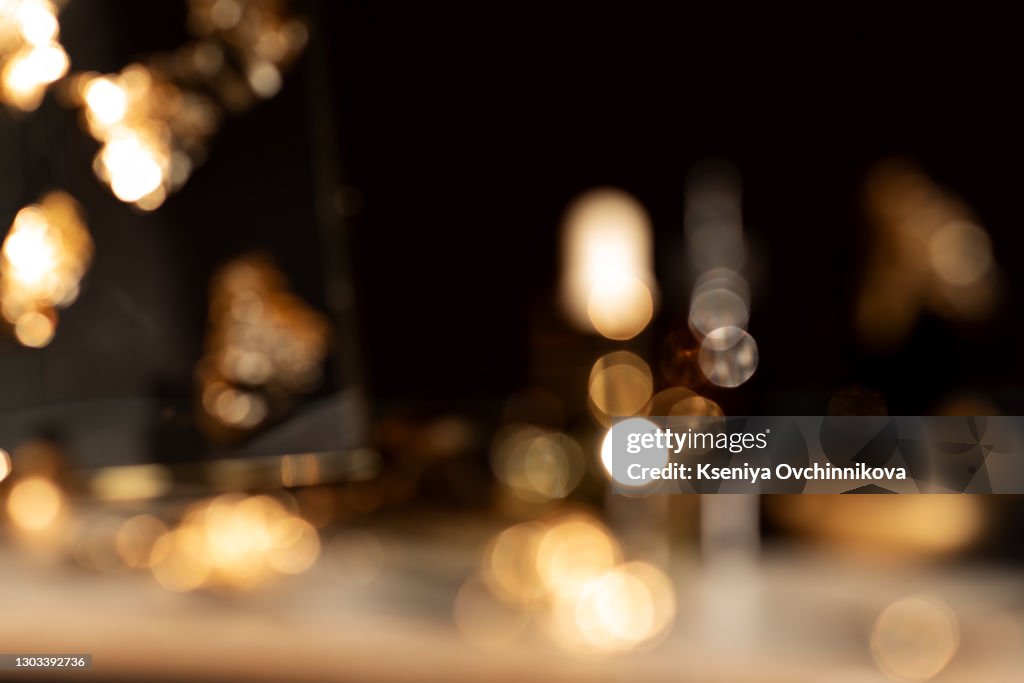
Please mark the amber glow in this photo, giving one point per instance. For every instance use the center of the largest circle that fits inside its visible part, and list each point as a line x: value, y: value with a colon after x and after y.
x: 42, y: 261
x: 31, y: 58
x: 607, y: 271
x: 233, y: 542
x: 34, y: 504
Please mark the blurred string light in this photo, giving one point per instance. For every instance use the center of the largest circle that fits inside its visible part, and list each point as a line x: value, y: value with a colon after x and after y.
x: 915, y: 638
x: 42, y: 261
x: 151, y: 131
x: 233, y: 542
x: 252, y: 40
x: 568, y: 573
x: 31, y: 57
x: 608, y: 283
x: 727, y: 354
x: 153, y: 120
x: 264, y: 345
x: 928, y: 253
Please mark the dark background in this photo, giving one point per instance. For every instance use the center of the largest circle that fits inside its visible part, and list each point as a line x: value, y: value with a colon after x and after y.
x: 463, y: 135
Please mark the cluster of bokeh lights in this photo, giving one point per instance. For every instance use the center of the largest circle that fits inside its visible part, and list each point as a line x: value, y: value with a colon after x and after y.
x: 31, y: 56
x: 566, y: 577
x: 42, y: 262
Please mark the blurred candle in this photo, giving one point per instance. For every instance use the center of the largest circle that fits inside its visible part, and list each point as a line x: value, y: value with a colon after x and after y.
x: 608, y: 284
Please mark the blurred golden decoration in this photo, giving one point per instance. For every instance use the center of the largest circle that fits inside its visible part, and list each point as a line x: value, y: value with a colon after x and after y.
x: 608, y: 283
x: 153, y: 120
x: 915, y: 638
x: 928, y: 253
x: 568, y: 571
x: 233, y: 542
x: 42, y: 262
x: 264, y: 344
x: 31, y: 56
x: 537, y: 465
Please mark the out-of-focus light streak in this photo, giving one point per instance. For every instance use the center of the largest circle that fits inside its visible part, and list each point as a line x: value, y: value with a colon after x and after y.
x: 31, y: 56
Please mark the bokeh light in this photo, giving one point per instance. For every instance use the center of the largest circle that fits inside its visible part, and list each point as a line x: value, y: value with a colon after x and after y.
x: 620, y: 385
x: 565, y: 575
x: 573, y: 551
x: 915, y: 638
x: 928, y: 253
x: 626, y: 607
x: 5, y: 464
x: 136, y: 537
x: 728, y: 357
x: 510, y: 564
x: 607, y: 267
x: 31, y: 58
x: 263, y: 345
x: 535, y: 464
x: 234, y: 542
x: 42, y: 262
x: 34, y: 504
